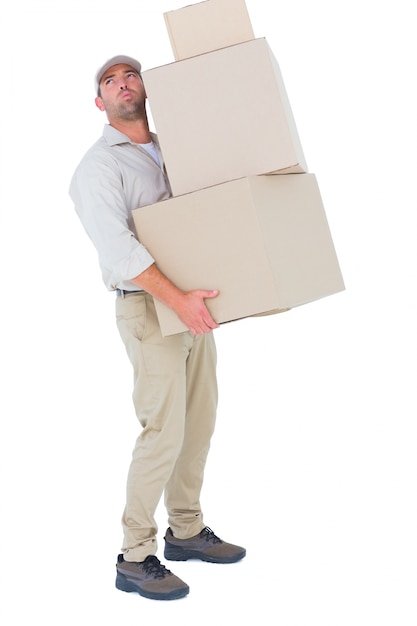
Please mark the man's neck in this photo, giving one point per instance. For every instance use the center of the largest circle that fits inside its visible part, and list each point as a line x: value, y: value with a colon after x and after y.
x: 137, y: 131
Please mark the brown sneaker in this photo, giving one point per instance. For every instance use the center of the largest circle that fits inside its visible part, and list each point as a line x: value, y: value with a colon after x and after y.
x: 205, y: 546
x: 150, y: 579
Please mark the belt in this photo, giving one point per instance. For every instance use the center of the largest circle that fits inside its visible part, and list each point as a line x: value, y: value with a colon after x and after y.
x: 123, y: 292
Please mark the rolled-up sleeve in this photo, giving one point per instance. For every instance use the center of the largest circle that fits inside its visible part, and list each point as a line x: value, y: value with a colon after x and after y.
x: 100, y: 201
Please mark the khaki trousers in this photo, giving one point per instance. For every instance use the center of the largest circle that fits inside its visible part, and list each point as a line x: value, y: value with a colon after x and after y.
x: 175, y: 398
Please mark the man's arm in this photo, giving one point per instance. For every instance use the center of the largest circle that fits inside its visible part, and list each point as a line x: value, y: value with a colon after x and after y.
x: 188, y: 305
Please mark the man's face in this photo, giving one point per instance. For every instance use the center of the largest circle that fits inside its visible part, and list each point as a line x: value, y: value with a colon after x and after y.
x: 122, y: 94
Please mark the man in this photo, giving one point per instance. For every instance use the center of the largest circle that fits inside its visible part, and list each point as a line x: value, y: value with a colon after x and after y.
x: 175, y: 387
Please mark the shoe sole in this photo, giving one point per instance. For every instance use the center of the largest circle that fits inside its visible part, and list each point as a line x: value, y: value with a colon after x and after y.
x: 174, y: 553
x: 124, y: 584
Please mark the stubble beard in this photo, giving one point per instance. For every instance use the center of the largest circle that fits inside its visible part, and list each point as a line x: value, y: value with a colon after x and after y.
x: 130, y: 111
x: 126, y: 111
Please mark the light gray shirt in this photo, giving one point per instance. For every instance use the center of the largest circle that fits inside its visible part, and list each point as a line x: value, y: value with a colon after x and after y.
x: 114, y: 177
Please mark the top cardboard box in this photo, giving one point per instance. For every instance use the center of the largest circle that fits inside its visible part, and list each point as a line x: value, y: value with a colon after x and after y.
x: 223, y: 115
x: 207, y: 26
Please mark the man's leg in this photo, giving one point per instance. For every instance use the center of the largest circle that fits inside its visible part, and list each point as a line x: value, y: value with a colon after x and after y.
x: 160, y: 401
x: 187, y: 536
x: 182, y: 493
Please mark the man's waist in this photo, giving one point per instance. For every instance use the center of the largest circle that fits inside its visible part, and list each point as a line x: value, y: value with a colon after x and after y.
x: 127, y: 292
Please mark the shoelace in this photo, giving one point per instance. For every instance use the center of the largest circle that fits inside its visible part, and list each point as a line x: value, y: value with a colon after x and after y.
x: 209, y: 535
x: 154, y: 567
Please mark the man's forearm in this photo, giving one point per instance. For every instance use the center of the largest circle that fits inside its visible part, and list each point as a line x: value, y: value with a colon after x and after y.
x: 154, y: 282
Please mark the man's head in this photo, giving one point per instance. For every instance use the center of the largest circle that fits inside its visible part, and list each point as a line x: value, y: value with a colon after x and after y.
x: 117, y: 60
x: 120, y: 90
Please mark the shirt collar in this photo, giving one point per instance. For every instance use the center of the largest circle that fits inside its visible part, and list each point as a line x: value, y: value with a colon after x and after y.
x: 114, y: 137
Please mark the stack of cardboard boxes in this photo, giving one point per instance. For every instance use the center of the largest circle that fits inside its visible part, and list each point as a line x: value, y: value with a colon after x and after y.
x: 246, y: 217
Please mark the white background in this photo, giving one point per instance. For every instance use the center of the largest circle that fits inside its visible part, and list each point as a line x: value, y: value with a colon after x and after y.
x: 313, y: 463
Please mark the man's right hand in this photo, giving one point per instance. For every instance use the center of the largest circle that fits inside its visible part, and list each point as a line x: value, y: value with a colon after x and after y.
x: 193, y: 312
x: 188, y: 305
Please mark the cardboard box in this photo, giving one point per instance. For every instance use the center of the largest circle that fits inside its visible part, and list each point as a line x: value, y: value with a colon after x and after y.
x: 263, y: 241
x: 207, y: 26
x: 222, y: 116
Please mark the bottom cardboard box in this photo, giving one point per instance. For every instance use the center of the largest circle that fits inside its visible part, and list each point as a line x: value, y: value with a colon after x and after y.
x: 263, y: 241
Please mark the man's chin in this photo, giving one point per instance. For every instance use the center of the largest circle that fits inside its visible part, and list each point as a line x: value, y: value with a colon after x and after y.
x: 131, y: 112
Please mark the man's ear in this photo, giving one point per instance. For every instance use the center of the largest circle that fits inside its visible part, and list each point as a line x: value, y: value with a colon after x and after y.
x: 99, y: 104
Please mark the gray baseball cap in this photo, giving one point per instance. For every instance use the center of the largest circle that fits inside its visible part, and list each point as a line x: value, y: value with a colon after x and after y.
x: 115, y: 61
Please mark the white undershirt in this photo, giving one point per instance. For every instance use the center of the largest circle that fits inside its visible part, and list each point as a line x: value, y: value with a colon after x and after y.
x: 151, y: 149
